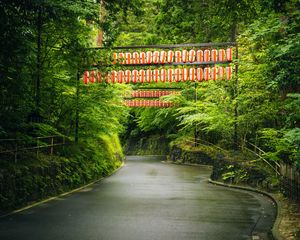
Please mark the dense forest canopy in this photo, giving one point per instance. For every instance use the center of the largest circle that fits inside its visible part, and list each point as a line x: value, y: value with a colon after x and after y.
x: 43, y: 46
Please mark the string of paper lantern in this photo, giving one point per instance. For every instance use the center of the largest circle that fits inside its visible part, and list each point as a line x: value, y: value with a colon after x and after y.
x: 151, y: 93
x: 147, y: 103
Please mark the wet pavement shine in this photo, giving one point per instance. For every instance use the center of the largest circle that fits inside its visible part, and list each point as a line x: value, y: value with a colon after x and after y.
x: 147, y: 200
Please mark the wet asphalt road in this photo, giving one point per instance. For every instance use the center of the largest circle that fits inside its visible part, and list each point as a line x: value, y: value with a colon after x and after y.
x: 146, y: 200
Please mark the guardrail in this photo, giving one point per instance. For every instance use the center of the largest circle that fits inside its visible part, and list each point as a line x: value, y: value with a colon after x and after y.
x: 13, y: 147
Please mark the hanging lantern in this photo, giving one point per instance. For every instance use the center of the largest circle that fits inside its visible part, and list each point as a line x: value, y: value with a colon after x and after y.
x: 149, y: 75
x: 192, y: 72
x: 229, y: 54
x: 206, y: 73
x: 135, y: 58
x: 185, y: 56
x: 133, y: 103
x: 121, y: 58
x: 199, y: 56
x: 155, y: 94
x: 115, y: 56
x: 170, y: 57
x: 149, y: 57
x: 120, y: 76
x: 206, y: 55
x: 159, y: 93
x: 221, y: 73
x: 163, y: 56
x: 177, y: 56
x: 228, y: 73
x: 155, y: 57
x: 142, y: 74
x: 163, y: 75
x: 148, y: 103
x: 114, y: 76
x: 127, y: 76
x: 135, y: 75
x: 156, y: 75
x: 143, y: 58
x: 214, y: 73
x: 107, y: 77
x: 177, y: 74
x: 170, y: 75
x: 214, y: 55
x: 151, y: 94
x: 221, y: 55
x: 99, y: 77
x: 185, y: 74
x: 85, y: 77
x: 92, y: 77
x: 128, y: 58
x: 199, y: 74
x: 192, y: 54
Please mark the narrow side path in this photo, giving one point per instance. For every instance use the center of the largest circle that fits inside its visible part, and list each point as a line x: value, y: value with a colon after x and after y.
x: 146, y: 200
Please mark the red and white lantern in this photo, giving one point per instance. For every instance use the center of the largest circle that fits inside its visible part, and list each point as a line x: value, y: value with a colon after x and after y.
x: 229, y: 54
x: 128, y: 58
x: 228, y: 73
x: 221, y: 73
x: 135, y: 75
x: 199, y: 56
x: 115, y: 56
x: 149, y: 57
x: 99, y: 77
x: 185, y: 74
x: 214, y: 55
x: 156, y: 75
x: 206, y: 73
x: 120, y: 76
x: 163, y: 75
x: 192, y: 73
x: 114, y: 76
x: 92, y: 77
x: 177, y: 74
x: 121, y: 58
x: 163, y: 56
x: 170, y: 75
x: 185, y: 56
x: 142, y: 74
x: 135, y: 58
x: 85, y: 77
x: 221, y: 55
x: 127, y: 76
x: 143, y: 58
x: 192, y: 54
x: 177, y: 56
x: 214, y: 73
x: 155, y: 57
x: 206, y: 55
x: 199, y: 74
x: 170, y: 56
x: 149, y: 75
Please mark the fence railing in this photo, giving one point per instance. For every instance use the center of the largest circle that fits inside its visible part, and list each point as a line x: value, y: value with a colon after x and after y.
x: 12, y: 148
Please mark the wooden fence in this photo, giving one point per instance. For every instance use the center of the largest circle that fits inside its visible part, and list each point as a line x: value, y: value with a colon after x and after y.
x: 12, y: 149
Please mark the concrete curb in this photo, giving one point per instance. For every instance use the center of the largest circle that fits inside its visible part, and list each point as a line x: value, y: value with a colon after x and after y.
x: 275, y: 228
x: 63, y: 194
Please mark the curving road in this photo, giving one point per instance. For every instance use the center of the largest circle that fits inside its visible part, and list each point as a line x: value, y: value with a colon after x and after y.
x: 147, y: 200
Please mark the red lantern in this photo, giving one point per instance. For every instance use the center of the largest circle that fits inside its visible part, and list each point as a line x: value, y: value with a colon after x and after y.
x: 192, y: 72
x: 85, y: 77
x: 214, y: 73
x: 128, y: 58
x: 149, y: 57
x: 185, y: 74
x: 228, y: 73
x: 159, y: 93
x: 221, y: 73
x: 135, y: 75
x: 229, y: 54
x: 206, y: 55
x: 127, y: 76
x: 177, y: 74
x: 163, y: 56
x: 142, y: 74
x: 155, y: 57
x: 192, y: 54
x: 221, y: 55
x: 120, y: 76
x: 199, y: 56
x: 206, y: 73
x: 156, y: 75
x: 163, y: 75
x: 214, y: 55
x: 170, y: 75
x: 177, y: 56
x: 199, y: 74
x: 115, y: 55
x: 92, y: 77
x: 99, y: 77
x: 114, y: 76
x: 143, y: 58
x: 170, y: 56
x: 135, y: 58
x: 151, y: 94
x: 121, y: 58
x: 155, y: 94
x: 185, y: 56
x: 149, y: 75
